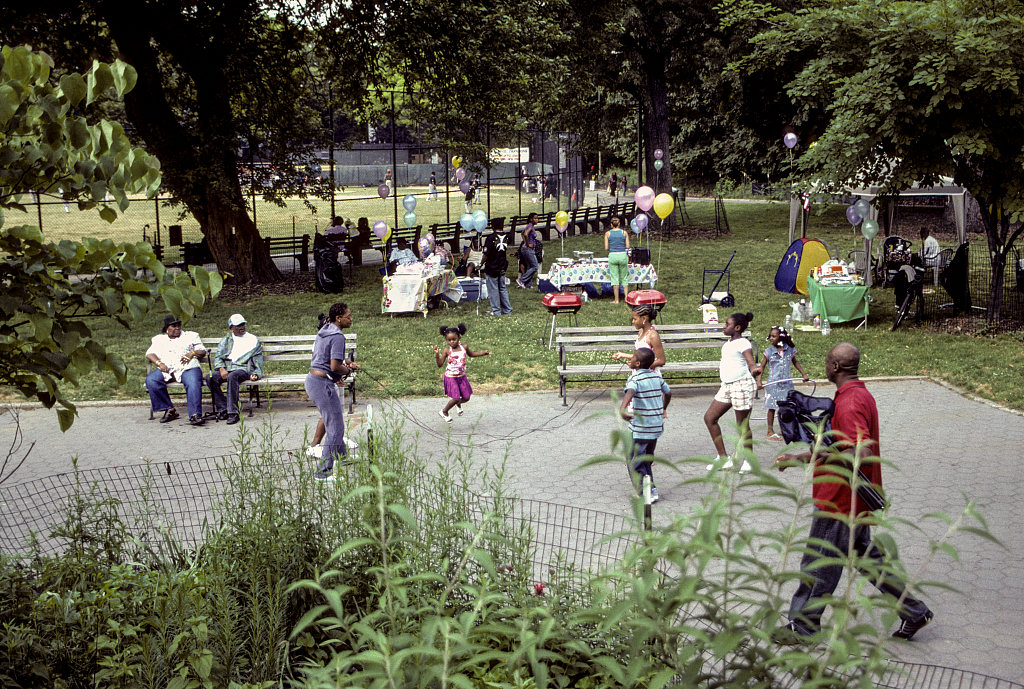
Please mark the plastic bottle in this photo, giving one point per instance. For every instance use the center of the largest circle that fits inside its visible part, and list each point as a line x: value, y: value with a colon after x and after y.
x: 826, y: 329
x: 817, y: 321
x: 788, y: 323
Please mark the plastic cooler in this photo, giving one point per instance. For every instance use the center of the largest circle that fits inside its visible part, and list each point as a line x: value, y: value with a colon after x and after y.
x: 561, y: 302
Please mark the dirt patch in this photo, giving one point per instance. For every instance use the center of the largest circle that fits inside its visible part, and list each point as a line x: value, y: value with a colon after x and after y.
x: 977, y: 327
x: 290, y: 283
x: 688, y: 233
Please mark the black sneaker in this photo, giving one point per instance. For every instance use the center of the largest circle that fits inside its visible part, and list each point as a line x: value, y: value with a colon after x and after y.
x: 169, y: 415
x: 907, y: 630
x: 233, y: 419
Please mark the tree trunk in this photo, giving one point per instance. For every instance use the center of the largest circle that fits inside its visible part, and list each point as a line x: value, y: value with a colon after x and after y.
x: 656, y: 126
x: 200, y: 166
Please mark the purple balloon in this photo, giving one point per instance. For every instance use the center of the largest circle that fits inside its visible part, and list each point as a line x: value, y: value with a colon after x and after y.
x: 790, y: 140
x: 852, y: 215
x: 383, y: 191
x: 658, y: 154
x: 641, y: 221
x: 465, y: 186
x: 460, y: 174
x: 380, y: 228
x: 644, y: 197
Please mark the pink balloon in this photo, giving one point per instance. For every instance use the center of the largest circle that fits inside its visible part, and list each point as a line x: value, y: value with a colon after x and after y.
x: 460, y: 174
x: 380, y: 228
x: 383, y: 191
x: 658, y: 154
x: 644, y: 197
x: 430, y: 239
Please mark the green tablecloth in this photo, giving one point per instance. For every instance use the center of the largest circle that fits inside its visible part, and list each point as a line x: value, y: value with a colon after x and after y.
x: 838, y: 303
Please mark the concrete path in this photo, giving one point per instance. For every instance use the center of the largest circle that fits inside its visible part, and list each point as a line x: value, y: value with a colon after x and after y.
x: 944, y: 446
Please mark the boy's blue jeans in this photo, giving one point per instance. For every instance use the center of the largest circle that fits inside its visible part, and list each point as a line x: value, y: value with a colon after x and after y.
x: 643, y: 447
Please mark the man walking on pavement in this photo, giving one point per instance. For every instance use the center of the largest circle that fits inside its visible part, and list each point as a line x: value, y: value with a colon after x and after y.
x: 854, y: 425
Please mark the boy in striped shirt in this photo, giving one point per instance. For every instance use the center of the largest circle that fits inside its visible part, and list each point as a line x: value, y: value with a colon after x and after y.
x: 646, y: 397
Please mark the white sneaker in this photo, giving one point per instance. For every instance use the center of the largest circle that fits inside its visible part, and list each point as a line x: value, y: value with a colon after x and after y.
x: 324, y: 479
x: 720, y: 463
x: 745, y: 468
x: 460, y: 411
x: 445, y: 416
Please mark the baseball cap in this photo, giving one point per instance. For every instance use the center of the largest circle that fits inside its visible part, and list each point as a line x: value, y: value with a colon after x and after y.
x: 236, y: 319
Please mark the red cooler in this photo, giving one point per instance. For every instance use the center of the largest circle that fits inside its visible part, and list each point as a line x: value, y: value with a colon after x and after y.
x: 561, y: 302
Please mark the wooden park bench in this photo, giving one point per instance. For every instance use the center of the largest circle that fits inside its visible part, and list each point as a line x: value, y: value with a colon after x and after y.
x: 447, y: 233
x: 281, y: 367
x: 595, y: 345
x: 290, y: 247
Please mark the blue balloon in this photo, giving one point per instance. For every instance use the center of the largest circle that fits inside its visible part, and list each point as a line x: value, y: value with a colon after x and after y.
x: 633, y: 226
x: 479, y: 220
x: 466, y: 220
x: 409, y: 202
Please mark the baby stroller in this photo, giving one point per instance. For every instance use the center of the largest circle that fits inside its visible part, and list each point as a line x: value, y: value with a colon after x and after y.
x: 907, y: 284
x: 894, y: 254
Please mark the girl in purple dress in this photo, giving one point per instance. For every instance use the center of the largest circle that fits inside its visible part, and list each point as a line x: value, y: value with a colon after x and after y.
x: 456, y: 385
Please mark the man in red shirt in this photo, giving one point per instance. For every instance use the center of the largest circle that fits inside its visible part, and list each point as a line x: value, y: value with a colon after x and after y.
x: 855, y: 431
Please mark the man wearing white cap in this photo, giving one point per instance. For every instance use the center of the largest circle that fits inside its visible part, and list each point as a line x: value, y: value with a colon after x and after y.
x: 239, y: 357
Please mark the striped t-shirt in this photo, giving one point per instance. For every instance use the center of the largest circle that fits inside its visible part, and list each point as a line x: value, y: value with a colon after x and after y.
x: 649, y: 389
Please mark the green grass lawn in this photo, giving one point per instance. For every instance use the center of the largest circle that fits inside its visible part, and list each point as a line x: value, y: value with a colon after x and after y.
x: 396, y: 352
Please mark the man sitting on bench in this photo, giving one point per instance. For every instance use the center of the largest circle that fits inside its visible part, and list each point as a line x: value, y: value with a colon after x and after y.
x: 239, y: 358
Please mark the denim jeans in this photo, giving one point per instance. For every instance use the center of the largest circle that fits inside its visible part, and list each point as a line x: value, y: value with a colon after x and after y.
x: 235, y: 379
x: 497, y: 294
x: 191, y: 378
x: 643, y: 448
x: 529, y: 260
x: 806, y: 608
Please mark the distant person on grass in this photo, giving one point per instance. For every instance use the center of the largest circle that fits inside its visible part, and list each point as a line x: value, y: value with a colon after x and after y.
x: 855, y: 427
x: 527, y: 253
x: 495, y: 266
x: 616, y: 243
x: 176, y: 355
x: 239, y: 358
x: 930, y: 249
x: 643, y: 404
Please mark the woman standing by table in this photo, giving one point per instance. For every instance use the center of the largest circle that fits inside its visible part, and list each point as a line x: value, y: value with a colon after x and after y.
x: 616, y: 243
x: 328, y: 369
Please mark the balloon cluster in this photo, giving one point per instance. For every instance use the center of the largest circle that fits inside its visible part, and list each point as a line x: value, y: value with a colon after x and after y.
x: 473, y: 222
x: 658, y: 162
x: 646, y: 200
x: 857, y: 213
x: 409, y: 203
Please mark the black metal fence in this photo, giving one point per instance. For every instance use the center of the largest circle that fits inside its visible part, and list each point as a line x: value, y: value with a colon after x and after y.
x: 177, y: 500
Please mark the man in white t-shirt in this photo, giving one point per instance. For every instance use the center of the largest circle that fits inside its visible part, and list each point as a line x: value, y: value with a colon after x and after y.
x: 239, y: 358
x: 930, y: 249
x: 176, y: 355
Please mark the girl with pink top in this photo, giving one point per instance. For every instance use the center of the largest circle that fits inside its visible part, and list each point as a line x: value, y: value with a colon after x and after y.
x: 456, y: 385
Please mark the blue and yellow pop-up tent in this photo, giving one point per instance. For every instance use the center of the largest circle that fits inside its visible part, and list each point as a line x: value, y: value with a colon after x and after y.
x: 802, y: 256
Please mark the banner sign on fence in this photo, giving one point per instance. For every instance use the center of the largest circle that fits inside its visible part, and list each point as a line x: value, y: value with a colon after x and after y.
x: 510, y: 155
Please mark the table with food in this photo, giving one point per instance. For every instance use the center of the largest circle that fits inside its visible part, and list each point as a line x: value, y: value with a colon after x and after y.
x: 583, y: 269
x: 415, y: 287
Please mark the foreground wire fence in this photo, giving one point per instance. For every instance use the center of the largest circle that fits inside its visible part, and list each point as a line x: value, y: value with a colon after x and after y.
x: 175, y: 502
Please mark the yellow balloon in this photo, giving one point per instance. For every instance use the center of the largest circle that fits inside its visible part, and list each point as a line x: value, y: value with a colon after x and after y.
x: 387, y: 236
x: 561, y: 218
x: 663, y: 205
x: 456, y: 161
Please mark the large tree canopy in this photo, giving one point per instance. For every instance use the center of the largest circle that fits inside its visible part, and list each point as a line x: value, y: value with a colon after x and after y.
x: 912, y: 91
x: 49, y: 291
x: 212, y: 75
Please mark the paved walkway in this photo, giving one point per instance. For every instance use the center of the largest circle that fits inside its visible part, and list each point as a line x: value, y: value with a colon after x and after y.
x: 944, y: 446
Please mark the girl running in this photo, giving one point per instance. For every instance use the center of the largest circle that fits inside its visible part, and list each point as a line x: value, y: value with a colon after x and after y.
x: 456, y: 385
x: 777, y: 360
x: 736, y: 370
